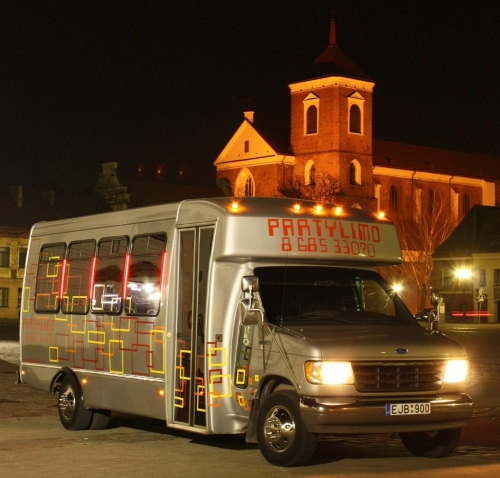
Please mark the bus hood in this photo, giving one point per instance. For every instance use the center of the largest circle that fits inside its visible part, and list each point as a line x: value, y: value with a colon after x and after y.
x: 381, y: 342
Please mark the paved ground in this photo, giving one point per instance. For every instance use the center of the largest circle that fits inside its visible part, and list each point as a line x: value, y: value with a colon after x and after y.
x: 33, y: 443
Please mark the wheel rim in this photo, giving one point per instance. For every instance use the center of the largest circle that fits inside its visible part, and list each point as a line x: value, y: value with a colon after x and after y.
x: 67, y: 403
x: 279, y: 429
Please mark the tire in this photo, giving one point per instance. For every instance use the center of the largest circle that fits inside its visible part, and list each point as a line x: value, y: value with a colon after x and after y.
x: 431, y: 444
x: 100, y: 419
x: 281, y: 434
x: 72, y: 413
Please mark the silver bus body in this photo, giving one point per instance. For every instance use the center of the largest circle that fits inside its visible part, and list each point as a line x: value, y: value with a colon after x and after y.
x: 143, y: 311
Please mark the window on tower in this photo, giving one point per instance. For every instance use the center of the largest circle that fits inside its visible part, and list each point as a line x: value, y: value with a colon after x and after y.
x: 355, y: 108
x: 355, y: 173
x: 312, y: 120
x: 354, y: 119
x: 310, y: 173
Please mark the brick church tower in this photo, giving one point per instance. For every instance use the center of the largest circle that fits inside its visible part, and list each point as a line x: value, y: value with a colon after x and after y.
x: 331, y: 137
x: 331, y: 126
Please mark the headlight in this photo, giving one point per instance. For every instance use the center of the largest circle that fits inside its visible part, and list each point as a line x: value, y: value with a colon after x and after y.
x: 329, y: 373
x: 456, y: 371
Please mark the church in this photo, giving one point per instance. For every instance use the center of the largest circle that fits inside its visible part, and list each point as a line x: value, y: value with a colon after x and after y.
x: 332, y: 157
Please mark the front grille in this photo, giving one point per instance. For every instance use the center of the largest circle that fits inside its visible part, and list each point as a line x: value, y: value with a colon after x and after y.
x: 398, y: 376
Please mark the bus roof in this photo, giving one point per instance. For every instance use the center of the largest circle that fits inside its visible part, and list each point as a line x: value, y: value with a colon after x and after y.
x: 258, y: 227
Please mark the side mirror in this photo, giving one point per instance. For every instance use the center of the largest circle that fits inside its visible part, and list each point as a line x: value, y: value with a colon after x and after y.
x: 250, y: 315
x: 250, y: 309
x: 250, y: 284
x: 435, y: 296
x: 436, y: 300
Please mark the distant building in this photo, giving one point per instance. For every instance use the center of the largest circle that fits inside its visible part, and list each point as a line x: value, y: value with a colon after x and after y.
x: 467, y: 267
x: 21, y: 207
x: 24, y: 206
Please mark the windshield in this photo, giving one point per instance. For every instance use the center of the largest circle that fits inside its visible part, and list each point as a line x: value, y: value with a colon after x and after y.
x: 318, y: 295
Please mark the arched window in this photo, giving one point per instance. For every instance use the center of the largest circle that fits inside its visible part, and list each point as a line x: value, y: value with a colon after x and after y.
x: 355, y: 173
x: 354, y: 119
x: 310, y: 173
x: 249, y: 186
x: 312, y: 120
x: 355, y: 105
x: 394, y: 199
x: 431, y: 202
x: 244, y: 184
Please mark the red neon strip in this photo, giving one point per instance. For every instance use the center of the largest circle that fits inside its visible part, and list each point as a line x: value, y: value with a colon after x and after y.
x: 63, y: 277
x: 164, y: 262
x: 125, y: 276
x: 470, y: 314
x: 92, y: 277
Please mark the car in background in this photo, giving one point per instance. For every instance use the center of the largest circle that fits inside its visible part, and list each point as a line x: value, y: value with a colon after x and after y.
x: 423, y: 315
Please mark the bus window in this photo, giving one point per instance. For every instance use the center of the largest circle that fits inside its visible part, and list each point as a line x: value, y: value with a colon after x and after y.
x: 48, y: 277
x: 110, y: 268
x: 76, y: 297
x: 145, y: 275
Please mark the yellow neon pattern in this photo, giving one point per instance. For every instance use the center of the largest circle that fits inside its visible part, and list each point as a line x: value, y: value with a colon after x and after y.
x: 113, y: 357
x: 54, y: 354
x: 212, y: 355
x: 96, y: 337
x: 217, y: 394
x: 153, y: 340
x: 200, y: 392
x: 26, y: 303
x: 241, y: 375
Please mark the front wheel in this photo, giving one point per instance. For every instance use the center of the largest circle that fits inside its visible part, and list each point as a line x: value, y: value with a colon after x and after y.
x: 434, y: 444
x: 281, y: 434
x: 72, y: 413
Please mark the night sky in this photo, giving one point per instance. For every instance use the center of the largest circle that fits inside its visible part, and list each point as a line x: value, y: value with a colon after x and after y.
x: 86, y: 82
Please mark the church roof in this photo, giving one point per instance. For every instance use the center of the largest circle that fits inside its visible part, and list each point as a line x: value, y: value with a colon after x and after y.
x: 421, y: 158
x: 478, y: 232
x: 333, y: 61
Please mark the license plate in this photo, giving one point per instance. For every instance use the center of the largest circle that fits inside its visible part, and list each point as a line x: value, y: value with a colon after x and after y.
x: 407, y: 409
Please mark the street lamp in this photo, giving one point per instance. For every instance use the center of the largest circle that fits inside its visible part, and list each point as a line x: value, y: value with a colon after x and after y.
x: 463, y: 275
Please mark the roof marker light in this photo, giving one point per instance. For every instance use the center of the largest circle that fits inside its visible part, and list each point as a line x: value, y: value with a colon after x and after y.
x: 235, y: 206
x: 381, y: 214
x: 338, y: 210
x: 296, y: 207
x: 318, y: 208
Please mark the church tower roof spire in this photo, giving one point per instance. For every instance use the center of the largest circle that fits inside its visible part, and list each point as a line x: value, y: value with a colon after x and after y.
x: 333, y: 32
x: 333, y: 61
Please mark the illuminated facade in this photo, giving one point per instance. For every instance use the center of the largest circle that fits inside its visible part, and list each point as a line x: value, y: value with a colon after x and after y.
x: 331, y: 135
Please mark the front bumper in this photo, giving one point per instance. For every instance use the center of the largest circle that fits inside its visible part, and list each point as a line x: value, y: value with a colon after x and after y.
x: 339, y: 415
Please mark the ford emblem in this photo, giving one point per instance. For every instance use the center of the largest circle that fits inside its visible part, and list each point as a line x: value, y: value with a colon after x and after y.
x: 401, y: 350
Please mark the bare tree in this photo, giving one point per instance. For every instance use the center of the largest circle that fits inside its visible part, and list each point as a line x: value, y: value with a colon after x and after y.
x: 431, y: 224
x: 325, y: 188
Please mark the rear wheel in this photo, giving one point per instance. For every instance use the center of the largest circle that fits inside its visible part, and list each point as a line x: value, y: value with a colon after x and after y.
x: 72, y: 413
x: 282, y: 436
x: 100, y: 419
x: 434, y: 444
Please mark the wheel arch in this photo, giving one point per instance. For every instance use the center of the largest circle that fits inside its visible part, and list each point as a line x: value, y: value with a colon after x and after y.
x: 267, y: 386
x: 59, y: 377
